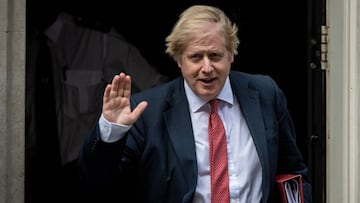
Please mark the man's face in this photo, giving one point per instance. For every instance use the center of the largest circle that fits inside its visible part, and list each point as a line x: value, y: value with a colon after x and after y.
x: 205, y: 62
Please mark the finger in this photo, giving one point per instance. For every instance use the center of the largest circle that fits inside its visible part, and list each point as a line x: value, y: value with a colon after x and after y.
x: 107, y: 93
x: 139, y: 109
x: 120, y: 90
x: 127, y: 88
x: 114, y: 87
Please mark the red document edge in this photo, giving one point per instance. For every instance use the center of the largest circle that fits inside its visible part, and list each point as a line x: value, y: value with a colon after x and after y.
x: 280, y: 179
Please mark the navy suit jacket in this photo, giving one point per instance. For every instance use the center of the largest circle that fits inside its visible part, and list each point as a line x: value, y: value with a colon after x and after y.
x: 158, y: 152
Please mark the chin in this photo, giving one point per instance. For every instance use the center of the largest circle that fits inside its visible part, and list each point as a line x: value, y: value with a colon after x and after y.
x: 207, y: 97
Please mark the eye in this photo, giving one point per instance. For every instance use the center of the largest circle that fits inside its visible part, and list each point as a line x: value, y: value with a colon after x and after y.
x: 195, y: 57
x: 215, y: 56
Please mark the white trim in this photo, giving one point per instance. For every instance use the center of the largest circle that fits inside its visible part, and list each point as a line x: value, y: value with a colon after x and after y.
x: 353, y: 102
x: 343, y: 89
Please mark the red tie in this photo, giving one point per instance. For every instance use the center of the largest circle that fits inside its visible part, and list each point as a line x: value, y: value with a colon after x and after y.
x: 218, y: 157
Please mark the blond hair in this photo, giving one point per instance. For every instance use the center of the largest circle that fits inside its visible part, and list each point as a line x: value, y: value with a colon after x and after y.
x: 191, y: 20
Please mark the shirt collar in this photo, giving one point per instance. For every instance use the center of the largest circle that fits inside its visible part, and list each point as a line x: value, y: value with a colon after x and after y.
x: 195, y: 102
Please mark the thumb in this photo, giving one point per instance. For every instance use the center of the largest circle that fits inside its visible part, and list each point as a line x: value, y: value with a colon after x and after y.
x: 139, y: 109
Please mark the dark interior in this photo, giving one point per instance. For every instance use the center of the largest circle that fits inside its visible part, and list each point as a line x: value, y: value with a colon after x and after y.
x: 273, y: 37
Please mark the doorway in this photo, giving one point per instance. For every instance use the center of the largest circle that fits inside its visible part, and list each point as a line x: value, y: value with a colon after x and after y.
x: 274, y: 41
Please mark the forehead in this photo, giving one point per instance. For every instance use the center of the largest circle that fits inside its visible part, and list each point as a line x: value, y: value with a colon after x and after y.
x: 208, y: 36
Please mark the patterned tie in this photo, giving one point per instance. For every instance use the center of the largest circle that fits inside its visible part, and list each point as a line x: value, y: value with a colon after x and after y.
x: 218, y: 157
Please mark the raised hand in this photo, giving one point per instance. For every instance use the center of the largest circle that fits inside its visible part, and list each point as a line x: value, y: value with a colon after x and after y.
x: 116, y: 101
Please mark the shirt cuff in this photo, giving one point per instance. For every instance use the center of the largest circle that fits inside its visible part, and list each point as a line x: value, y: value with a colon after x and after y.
x: 111, y: 132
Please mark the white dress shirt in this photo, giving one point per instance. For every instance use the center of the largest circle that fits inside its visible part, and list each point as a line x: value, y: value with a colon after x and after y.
x: 245, y: 173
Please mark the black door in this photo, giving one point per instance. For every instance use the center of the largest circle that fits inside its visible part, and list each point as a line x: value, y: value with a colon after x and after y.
x: 278, y: 38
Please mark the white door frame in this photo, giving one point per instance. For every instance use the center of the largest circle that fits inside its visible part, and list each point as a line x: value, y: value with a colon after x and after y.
x: 343, y: 90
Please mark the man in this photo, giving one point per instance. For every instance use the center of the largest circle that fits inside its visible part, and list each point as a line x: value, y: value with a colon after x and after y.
x: 160, y: 140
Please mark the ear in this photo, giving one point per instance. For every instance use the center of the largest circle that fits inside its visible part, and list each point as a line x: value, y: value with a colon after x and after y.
x: 178, y: 63
x: 232, y: 58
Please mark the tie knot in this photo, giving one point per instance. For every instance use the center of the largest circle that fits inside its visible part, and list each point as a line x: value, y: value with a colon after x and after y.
x: 214, y: 105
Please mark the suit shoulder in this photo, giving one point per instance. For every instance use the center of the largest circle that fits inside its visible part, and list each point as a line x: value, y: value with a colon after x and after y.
x: 254, y: 80
x: 160, y: 92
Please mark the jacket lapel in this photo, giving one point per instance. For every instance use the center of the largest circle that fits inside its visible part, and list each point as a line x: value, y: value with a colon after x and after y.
x: 179, y: 127
x: 250, y: 105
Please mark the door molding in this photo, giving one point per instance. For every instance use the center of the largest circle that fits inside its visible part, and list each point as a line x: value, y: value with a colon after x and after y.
x: 343, y: 90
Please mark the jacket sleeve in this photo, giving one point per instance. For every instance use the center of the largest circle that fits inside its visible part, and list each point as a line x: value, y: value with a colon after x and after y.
x: 105, y: 169
x: 290, y: 160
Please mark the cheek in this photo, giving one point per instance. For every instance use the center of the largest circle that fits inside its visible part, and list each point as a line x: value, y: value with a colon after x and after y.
x: 184, y: 69
x: 187, y: 69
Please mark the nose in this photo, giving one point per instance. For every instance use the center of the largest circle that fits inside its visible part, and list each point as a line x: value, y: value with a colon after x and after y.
x: 206, y: 65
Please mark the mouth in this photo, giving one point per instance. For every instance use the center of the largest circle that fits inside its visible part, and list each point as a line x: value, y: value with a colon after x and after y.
x: 208, y: 80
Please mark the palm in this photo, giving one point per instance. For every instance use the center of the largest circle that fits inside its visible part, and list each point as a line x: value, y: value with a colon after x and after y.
x: 116, y: 102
